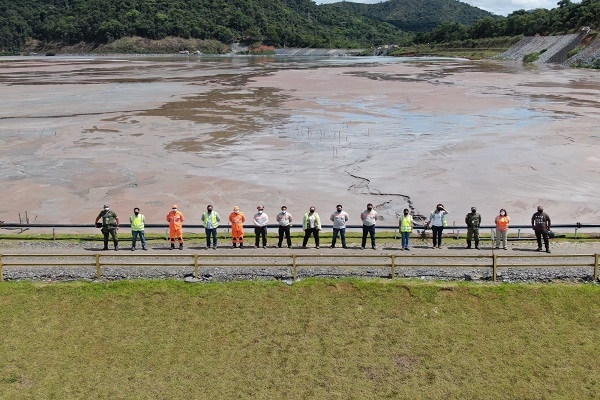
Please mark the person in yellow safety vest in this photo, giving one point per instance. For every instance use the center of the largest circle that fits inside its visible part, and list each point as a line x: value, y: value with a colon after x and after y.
x: 175, y: 220
x: 237, y: 219
x: 137, y: 222
x: 311, y: 225
x: 210, y: 220
x: 406, y: 227
x: 437, y: 222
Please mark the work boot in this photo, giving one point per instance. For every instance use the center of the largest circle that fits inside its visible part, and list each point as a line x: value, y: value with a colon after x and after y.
x: 105, y: 245
x: 172, y: 246
x: 116, y: 245
x: 234, y: 245
x: 468, y: 244
x: 477, y: 244
x: 180, y: 246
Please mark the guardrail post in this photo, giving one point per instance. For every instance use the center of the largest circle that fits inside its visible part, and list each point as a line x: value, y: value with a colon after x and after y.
x: 98, y: 269
x: 196, y: 266
x: 2, y: 269
x: 393, y: 266
x: 53, y: 233
x: 575, y: 232
x: 494, y: 266
x: 596, y: 259
x: 519, y: 233
x: 294, y: 266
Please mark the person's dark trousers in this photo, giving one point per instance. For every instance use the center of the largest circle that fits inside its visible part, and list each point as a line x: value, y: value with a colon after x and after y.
x: 370, y: 230
x: 260, y: 231
x: 112, y: 231
x: 212, y: 232
x: 539, y: 234
x: 437, y: 235
x: 285, y: 230
x: 307, y: 233
x: 342, y: 232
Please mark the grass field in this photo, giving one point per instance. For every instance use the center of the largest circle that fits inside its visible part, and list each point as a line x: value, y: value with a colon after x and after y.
x: 317, y: 339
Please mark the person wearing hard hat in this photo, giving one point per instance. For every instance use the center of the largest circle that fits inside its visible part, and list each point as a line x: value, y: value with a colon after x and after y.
x: 237, y: 219
x: 175, y: 220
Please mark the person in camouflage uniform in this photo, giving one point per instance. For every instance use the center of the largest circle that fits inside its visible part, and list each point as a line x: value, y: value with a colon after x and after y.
x: 473, y: 221
x: 110, y: 225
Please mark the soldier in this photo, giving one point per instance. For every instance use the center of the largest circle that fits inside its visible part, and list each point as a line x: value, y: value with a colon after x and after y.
x: 175, y: 220
x: 473, y: 221
x: 110, y: 225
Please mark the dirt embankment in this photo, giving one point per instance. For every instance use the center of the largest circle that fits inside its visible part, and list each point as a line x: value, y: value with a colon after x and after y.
x: 580, y: 49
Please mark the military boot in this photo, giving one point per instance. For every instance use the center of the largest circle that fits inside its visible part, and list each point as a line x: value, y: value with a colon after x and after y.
x: 105, y: 245
x: 116, y: 243
x: 468, y: 244
x: 477, y: 244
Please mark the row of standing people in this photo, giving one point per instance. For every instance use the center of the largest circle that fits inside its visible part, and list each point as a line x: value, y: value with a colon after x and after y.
x: 311, y: 225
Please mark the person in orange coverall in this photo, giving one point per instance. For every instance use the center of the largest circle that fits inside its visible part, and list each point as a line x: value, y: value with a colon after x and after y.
x: 237, y: 219
x: 175, y: 220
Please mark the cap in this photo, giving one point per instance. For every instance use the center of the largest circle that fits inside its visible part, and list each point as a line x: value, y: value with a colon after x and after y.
x: 236, y: 208
x: 260, y: 208
x: 473, y: 208
x: 174, y: 206
x: 105, y: 206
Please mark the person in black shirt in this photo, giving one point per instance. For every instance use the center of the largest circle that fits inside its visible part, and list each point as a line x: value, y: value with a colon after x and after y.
x: 540, y: 222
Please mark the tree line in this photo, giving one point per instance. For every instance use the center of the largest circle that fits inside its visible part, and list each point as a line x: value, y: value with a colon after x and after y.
x: 281, y: 23
x: 565, y: 18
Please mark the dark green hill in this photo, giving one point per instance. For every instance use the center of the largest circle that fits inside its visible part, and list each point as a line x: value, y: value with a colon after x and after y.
x: 416, y: 15
x: 294, y: 23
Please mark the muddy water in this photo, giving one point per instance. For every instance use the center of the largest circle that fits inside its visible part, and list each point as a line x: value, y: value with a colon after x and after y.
x: 76, y: 133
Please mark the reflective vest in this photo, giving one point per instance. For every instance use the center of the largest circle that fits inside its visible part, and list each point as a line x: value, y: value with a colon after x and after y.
x: 137, y: 222
x: 213, y: 218
x: 406, y: 223
x: 306, y: 221
x: 444, y: 222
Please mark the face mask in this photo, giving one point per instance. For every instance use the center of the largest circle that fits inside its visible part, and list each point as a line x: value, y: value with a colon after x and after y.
x: 312, y: 211
x: 106, y: 209
x: 173, y: 209
x: 283, y: 211
x: 136, y: 212
x: 502, y: 213
x: 260, y: 211
x: 210, y: 210
x: 406, y: 213
x: 369, y: 208
x: 339, y: 209
x: 439, y: 208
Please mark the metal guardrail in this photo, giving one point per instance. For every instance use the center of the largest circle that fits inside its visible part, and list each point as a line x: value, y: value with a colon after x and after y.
x: 296, y: 261
x: 453, y: 230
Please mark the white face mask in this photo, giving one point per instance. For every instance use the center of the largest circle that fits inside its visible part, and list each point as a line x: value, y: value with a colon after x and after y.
x: 106, y: 208
x: 173, y: 209
x: 260, y: 211
x: 283, y: 211
x: 502, y: 213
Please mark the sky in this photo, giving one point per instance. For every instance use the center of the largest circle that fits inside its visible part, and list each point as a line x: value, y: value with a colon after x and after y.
x: 499, y: 7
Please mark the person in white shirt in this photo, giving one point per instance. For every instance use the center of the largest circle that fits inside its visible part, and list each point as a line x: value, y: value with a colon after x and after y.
x: 260, y: 226
x: 437, y: 222
x: 284, y: 219
x: 339, y: 219
x: 368, y: 218
x: 311, y: 225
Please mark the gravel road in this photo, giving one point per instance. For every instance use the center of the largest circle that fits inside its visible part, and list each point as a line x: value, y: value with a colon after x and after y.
x: 267, y: 264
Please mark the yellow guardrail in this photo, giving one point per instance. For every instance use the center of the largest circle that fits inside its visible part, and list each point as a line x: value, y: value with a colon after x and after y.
x: 296, y: 261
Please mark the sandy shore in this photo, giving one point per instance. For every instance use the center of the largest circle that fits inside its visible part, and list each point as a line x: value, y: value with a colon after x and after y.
x: 79, y: 133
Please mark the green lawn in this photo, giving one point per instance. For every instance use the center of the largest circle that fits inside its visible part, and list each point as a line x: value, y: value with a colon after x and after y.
x: 317, y: 339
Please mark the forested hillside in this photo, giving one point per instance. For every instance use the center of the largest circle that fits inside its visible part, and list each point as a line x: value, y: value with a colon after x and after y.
x: 415, y: 15
x: 567, y: 17
x: 298, y: 23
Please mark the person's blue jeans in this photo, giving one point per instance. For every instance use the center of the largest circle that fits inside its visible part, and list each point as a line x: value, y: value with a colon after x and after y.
x: 342, y: 232
x: 134, y: 236
x: 437, y: 235
x: 368, y: 230
x: 406, y: 240
x: 211, y: 232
